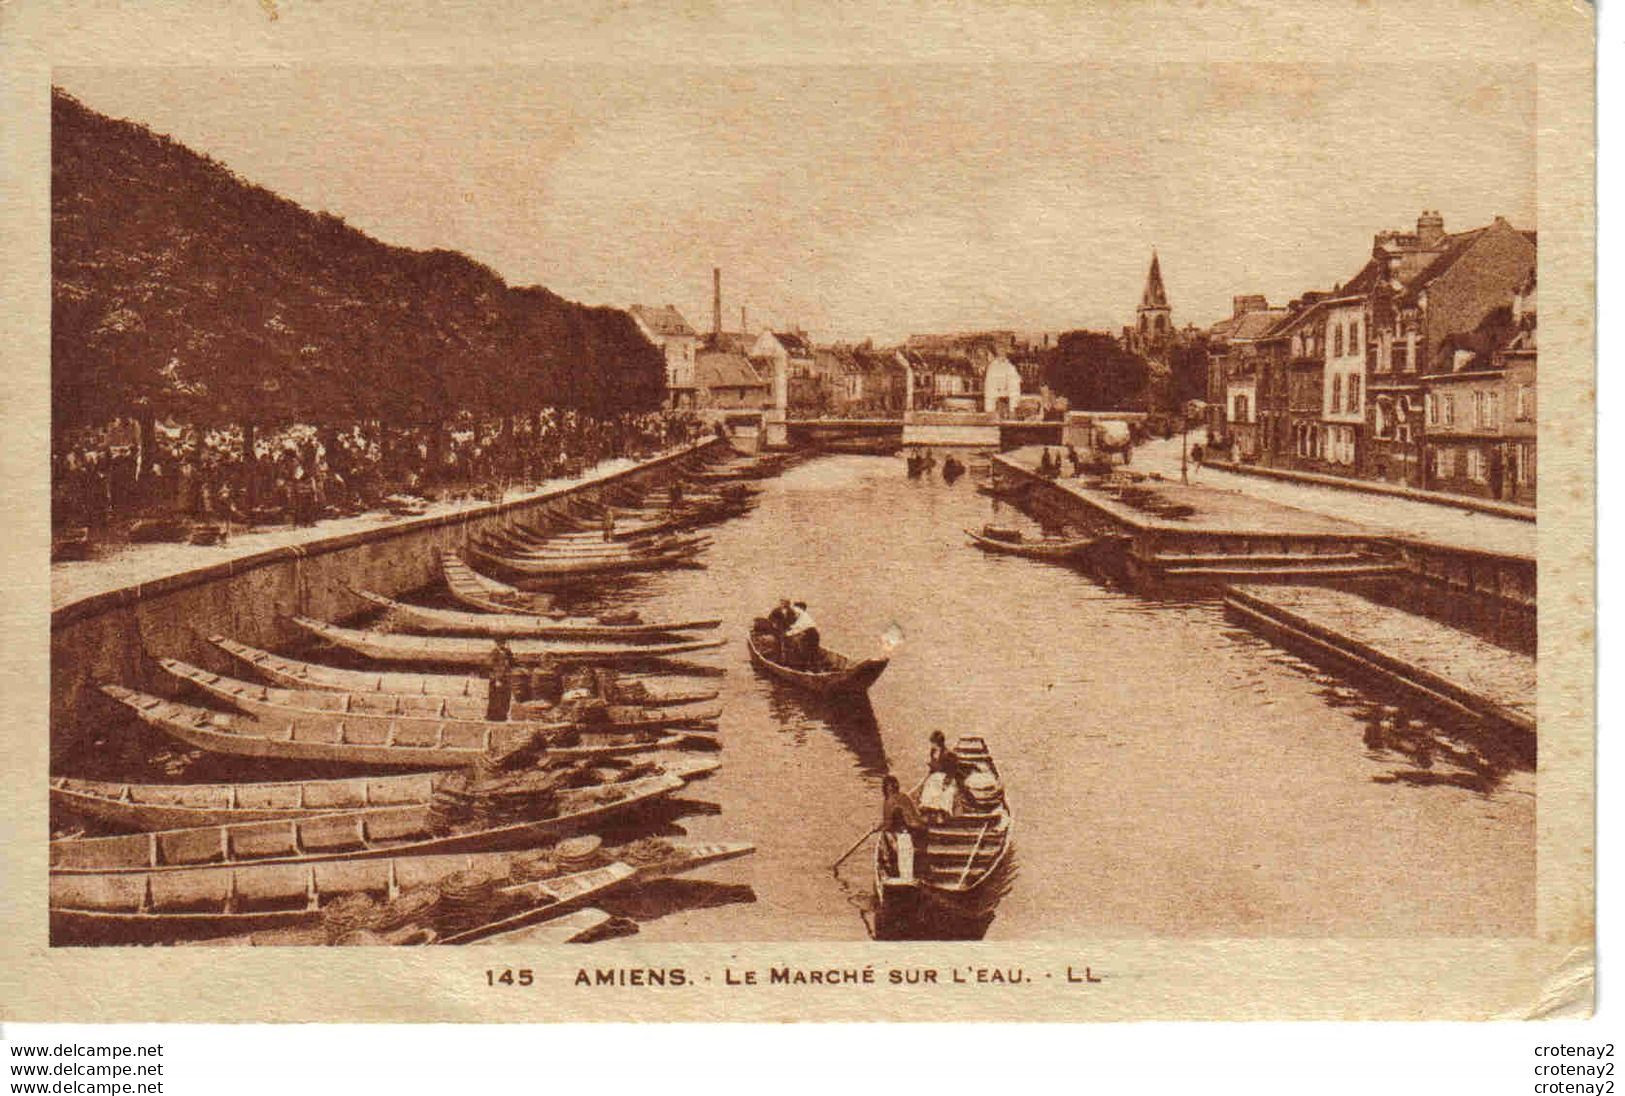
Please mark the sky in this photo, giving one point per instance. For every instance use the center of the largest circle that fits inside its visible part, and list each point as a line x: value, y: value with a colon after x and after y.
x: 875, y: 200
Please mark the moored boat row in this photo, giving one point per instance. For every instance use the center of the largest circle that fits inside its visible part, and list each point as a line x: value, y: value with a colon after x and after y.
x: 477, y: 801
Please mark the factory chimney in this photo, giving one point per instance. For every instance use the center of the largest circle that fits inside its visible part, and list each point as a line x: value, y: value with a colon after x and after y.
x: 716, y: 302
x: 744, y: 327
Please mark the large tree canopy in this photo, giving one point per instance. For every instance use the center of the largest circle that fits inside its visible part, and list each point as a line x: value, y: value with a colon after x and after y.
x: 1093, y: 371
x: 179, y: 290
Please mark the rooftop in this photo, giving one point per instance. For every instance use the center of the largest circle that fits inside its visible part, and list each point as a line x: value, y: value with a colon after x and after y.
x: 664, y: 320
x: 795, y: 342
x: 725, y: 369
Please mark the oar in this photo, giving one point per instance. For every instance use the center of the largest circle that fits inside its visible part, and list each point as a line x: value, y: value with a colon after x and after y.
x: 854, y: 848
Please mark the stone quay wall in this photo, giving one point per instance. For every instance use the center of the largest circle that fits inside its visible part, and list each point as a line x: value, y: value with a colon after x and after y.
x: 113, y: 637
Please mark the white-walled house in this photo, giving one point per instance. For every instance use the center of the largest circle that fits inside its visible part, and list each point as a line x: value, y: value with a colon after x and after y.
x: 787, y: 359
x: 666, y: 328
x: 1001, y: 387
x: 1343, y: 386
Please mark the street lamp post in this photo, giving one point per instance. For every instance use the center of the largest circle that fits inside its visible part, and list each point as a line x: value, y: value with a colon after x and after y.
x: 1184, y: 444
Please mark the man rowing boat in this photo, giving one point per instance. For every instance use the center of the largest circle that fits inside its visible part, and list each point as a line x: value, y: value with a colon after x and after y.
x: 902, y: 831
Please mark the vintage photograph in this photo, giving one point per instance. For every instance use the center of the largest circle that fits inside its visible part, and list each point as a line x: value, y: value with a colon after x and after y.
x: 561, y: 504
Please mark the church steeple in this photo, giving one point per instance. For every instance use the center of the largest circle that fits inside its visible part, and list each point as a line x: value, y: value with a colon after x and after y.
x: 1155, y: 324
x: 1155, y: 296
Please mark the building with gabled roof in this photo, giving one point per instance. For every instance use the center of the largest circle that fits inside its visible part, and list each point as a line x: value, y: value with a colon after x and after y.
x: 666, y: 328
x: 1235, y: 358
x: 727, y: 380
x: 1424, y: 287
x: 1230, y: 343
x: 1480, y: 393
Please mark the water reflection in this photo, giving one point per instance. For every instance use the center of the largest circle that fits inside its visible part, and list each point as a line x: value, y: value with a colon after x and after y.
x: 670, y: 897
x: 851, y: 720
x: 1432, y: 746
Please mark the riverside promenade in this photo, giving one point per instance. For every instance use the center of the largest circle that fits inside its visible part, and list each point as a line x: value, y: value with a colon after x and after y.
x: 111, y: 617
x: 137, y: 564
x: 1226, y: 527
x: 1423, y: 521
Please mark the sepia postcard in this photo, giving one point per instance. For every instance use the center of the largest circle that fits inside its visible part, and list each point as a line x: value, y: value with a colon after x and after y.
x: 1074, y: 511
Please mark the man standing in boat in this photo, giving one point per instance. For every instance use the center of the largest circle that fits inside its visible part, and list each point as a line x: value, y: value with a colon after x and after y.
x: 781, y: 617
x: 499, y: 681
x: 609, y: 523
x: 941, y: 788
x: 902, y: 831
x: 801, y: 639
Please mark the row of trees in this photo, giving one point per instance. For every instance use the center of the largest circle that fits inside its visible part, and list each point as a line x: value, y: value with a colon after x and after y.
x: 181, y: 292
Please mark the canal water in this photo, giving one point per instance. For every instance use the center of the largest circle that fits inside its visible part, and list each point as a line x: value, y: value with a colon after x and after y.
x: 1171, y: 773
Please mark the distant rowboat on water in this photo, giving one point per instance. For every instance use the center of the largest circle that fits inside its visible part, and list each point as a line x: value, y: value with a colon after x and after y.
x: 1014, y: 543
x: 836, y: 674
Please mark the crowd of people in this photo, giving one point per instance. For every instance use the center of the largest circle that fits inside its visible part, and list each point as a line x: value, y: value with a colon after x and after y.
x: 299, y: 474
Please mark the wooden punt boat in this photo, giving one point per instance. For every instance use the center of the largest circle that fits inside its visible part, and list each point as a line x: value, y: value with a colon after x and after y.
x: 582, y: 926
x: 1035, y: 548
x: 634, y: 691
x: 486, y: 594
x: 449, y: 746
x: 579, y: 927
x: 255, y: 897
x: 179, y: 806
x: 626, y: 533
x: 655, y: 522
x: 564, y: 569
x: 962, y: 853
x: 688, y: 856
x: 513, y: 547
x: 148, y: 807
x: 843, y: 675
x: 730, y: 477
x: 470, y: 651
x: 691, y: 514
x: 551, y: 900
x: 422, y: 618
x: 415, y: 715
x: 345, y: 835
x: 521, y: 544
